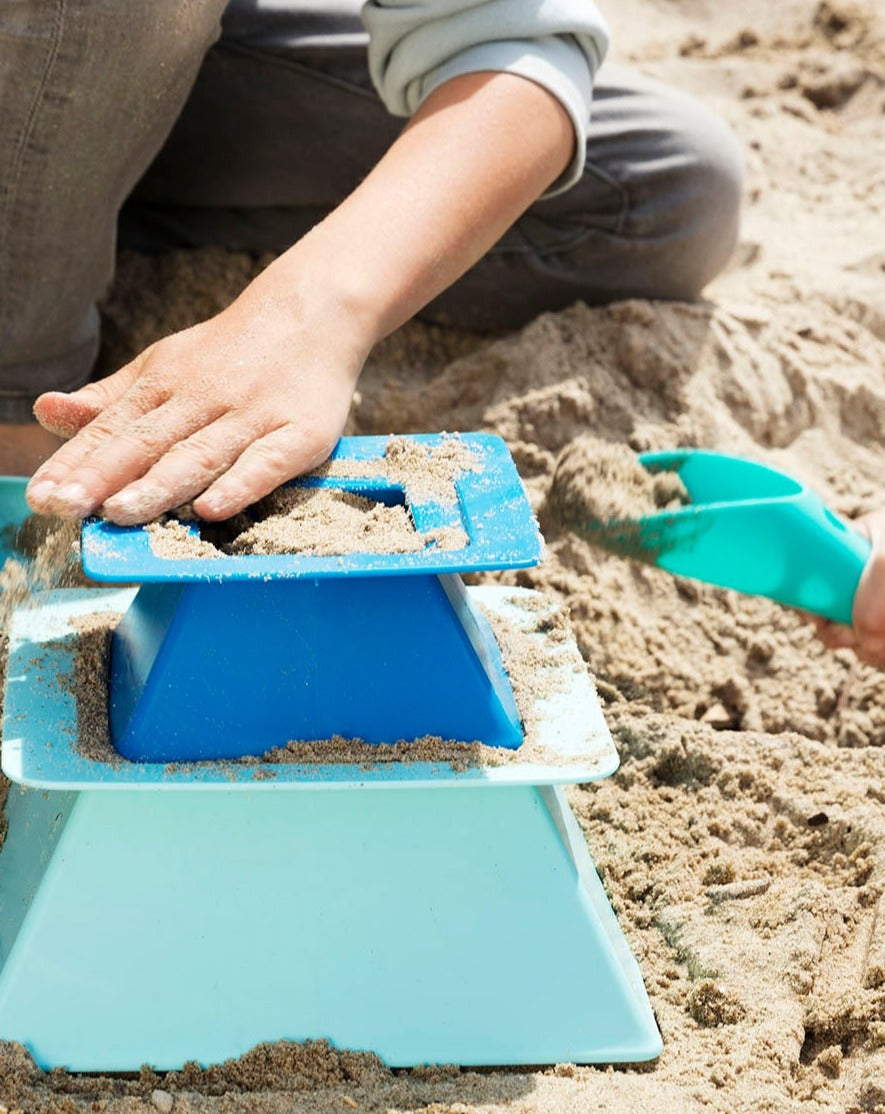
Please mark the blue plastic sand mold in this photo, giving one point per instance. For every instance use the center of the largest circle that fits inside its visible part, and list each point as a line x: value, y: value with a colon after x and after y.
x: 236, y: 655
x: 154, y: 910
x: 748, y: 527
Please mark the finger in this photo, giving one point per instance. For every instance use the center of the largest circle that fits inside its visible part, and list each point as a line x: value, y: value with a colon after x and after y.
x: 871, y: 649
x: 837, y: 636
x: 66, y: 413
x: 875, y: 660
x: 185, y: 471
x: 264, y: 465
x: 116, y: 458
x: 57, y: 471
x: 869, y: 600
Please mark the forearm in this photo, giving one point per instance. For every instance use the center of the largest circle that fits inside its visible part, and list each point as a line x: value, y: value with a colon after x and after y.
x: 477, y: 153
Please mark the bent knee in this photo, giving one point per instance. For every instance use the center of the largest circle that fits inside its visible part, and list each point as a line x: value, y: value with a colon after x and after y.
x: 687, y: 212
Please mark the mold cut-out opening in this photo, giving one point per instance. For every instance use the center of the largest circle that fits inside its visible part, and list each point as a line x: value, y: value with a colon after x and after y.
x: 315, y: 518
x: 326, y: 519
x: 389, y: 495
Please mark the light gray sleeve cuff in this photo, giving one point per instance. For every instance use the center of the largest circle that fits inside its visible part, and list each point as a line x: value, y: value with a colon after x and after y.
x: 416, y: 45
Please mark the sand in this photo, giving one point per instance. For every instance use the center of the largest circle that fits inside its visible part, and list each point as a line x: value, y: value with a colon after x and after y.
x: 333, y: 521
x: 742, y: 841
x: 596, y: 483
x: 313, y: 521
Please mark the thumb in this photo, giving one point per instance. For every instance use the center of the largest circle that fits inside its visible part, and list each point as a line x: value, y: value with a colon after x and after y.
x: 66, y: 413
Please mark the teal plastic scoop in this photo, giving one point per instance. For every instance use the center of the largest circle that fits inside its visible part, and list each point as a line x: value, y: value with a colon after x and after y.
x: 747, y: 527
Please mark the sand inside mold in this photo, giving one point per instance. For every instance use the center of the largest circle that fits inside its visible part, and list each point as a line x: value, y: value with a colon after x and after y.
x: 333, y: 521
x: 742, y: 839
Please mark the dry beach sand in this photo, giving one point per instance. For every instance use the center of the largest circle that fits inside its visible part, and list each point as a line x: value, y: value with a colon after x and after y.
x: 743, y: 840
x: 598, y: 482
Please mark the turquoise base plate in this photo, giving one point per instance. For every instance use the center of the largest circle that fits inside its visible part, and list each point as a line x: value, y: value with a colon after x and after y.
x: 13, y: 511
x: 160, y: 914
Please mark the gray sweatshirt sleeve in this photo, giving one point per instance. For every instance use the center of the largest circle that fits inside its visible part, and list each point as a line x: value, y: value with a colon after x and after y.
x: 416, y: 45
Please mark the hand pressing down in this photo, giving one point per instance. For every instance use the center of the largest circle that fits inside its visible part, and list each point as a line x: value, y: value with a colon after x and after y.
x: 866, y: 635
x: 220, y: 414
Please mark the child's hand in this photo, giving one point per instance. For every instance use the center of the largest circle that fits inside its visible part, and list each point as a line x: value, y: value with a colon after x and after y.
x: 867, y: 634
x: 220, y: 413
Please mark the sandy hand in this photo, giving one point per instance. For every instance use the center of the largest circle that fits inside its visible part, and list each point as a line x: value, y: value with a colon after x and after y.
x: 866, y: 636
x: 220, y: 414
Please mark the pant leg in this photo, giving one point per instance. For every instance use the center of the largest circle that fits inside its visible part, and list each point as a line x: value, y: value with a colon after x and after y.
x: 89, y: 89
x: 655, y: 214
x: 283, y: 123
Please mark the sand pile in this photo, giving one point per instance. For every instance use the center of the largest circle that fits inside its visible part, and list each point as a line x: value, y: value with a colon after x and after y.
x: 598, y: 482
x: 742, y: 841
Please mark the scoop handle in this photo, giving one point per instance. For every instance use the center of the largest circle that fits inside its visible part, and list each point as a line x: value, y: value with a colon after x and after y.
x: 840, y: 555
x: 794, y: 551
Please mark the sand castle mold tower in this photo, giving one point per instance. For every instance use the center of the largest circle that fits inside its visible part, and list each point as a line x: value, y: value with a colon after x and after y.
x: 178, y: 904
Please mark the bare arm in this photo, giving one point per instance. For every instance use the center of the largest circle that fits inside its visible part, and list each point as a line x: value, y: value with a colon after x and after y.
x: 227, y: 410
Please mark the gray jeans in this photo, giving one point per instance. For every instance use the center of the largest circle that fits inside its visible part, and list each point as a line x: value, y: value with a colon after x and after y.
x: 243, y: 128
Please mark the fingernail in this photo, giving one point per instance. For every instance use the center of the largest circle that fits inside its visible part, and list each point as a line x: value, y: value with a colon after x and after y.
x: 73, y: 499
x: 128, y: 505
x: 40, y: 491
x: 123, y: 501
x: 216, y: 498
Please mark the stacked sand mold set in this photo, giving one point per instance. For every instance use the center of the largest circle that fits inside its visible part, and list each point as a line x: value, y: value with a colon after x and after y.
x: 194, y: 894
